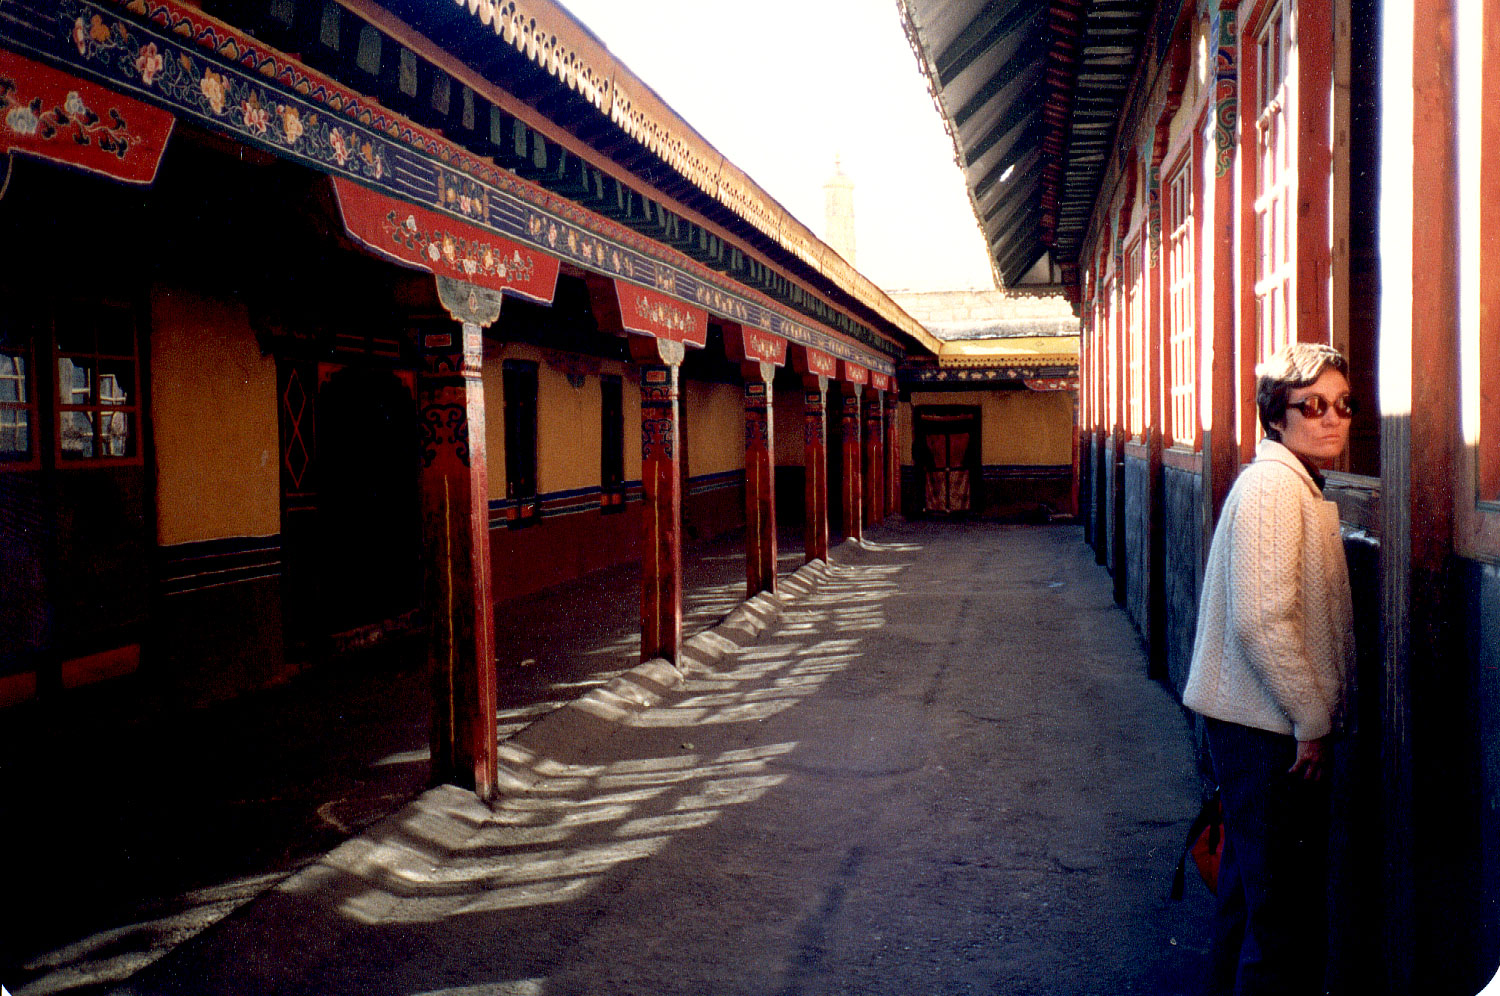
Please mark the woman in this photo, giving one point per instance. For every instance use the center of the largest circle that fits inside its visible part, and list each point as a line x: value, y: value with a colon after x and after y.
x: 1274, y: 646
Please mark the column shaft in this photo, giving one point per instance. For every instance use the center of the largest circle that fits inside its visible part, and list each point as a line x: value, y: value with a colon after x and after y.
x: 892, y: 456
x: 874, y: 485
x: 455, y: 530
x: 853, y: 503
x: 760, y: 483
x: 661, y: 537
x: 815, y: 462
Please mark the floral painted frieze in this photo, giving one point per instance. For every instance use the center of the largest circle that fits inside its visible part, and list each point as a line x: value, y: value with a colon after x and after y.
x: 52, y: 115
x: 996, y: 374
x: 417, y: 237
x: 172, y: 54
x: 751, y: 345
x: 649, y: 312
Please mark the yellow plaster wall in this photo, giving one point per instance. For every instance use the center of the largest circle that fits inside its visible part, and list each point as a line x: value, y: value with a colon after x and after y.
x: 568, y: 418
x: 567, y: 430
x: 494, y: 413
x: 1017, y: 427
x: 214, y: 421
x: 631, y: 396
x: 716, y: 427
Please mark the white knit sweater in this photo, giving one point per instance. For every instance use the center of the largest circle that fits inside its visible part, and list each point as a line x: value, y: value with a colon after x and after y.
x: 1275, y: 636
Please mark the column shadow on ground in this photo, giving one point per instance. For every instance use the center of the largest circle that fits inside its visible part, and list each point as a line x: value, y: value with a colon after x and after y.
x: 449, y: 867
x: 144, y: 823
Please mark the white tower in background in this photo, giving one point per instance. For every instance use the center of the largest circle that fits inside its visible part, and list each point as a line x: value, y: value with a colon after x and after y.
x: 838, y: 212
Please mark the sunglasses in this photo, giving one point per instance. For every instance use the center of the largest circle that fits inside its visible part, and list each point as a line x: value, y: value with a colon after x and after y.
x: 1315, y: 405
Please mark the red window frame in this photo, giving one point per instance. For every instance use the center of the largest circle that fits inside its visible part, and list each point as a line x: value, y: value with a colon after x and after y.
x: 1179, y: 249
x: 1275, y: 167
x: 1134, y: 330
x: 1111, y: 357
x: 110, y: 391
x: 18, y: 367
x: 1477, y: 491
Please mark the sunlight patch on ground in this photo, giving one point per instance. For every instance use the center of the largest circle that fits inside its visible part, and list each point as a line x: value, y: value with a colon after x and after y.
x: 518, y: 987
x: 99, y: 961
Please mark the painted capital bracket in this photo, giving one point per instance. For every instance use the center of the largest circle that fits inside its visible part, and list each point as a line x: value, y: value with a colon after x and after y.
x: 657, y: 352
x: 469, y: 304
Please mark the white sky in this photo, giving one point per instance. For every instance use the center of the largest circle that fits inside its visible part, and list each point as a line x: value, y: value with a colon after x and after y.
x: 781, y: 86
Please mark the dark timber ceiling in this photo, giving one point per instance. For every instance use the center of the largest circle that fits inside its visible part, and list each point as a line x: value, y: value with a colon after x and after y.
x: 1032, y: 92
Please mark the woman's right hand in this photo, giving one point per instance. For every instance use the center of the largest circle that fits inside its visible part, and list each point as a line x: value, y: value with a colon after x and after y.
x: 1312, y: 760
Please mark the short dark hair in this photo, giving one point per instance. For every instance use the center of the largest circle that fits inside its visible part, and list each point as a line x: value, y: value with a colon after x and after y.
x: 1293, y: 366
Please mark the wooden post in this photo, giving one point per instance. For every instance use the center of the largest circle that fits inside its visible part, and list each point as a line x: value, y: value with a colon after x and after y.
x: 661, y: 535
x: 1425, y: 772
x: 853, y: 505
x: 815, y: 463
x: 892, y: 453
x: 874, y: 488
x: 758, y: 354
x: 456, y: 540
x: 760, y: 480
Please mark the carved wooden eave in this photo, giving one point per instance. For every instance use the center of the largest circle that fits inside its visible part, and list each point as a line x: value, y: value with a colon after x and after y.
x: 1049, y: 351
x: 1032, y: 93
x: 555, y: 42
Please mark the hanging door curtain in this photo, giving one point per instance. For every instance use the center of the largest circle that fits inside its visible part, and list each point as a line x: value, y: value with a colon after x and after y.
x: 49, y: 114
x: 948, y: 475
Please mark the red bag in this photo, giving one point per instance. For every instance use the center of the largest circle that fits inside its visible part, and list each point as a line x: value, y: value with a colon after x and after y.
x: 1205, y: 845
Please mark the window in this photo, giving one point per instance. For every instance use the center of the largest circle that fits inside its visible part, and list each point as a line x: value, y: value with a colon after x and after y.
x: 519, y: 382
x: 1109, y: 334
x: 1182, y: 354
x: 1478, y: 132
x: 1135, y: 342
x: 612, y: 444
x: 1275, y: 169
x: 18, y: 414
x: 98, y: 403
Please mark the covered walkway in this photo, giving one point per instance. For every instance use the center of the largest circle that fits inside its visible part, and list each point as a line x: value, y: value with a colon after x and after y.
x: 935, y: 766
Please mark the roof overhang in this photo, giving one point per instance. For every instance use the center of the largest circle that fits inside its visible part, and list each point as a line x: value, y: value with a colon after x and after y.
x: 1032, y: 92
x: 572, y: 79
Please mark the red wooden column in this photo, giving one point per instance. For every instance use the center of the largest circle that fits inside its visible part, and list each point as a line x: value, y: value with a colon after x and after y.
x: 816, y: 368
x: 659, y: 329
x: 456, y: 538
x: 661, y: 490
x: 759, y: 354
x: 892, y: 452
x: 874, y: 485
x: 851, y: 387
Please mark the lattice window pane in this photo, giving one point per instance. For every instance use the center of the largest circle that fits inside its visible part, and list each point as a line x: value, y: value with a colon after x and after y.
x: 1276, y: 151
x: 1182, y: 334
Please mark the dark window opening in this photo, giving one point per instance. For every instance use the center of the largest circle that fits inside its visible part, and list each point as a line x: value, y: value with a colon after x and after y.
x: 520, y: 387
x: 612, y: 444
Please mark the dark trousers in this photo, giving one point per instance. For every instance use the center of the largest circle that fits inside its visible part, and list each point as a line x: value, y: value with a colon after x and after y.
x: 1270, y: 931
